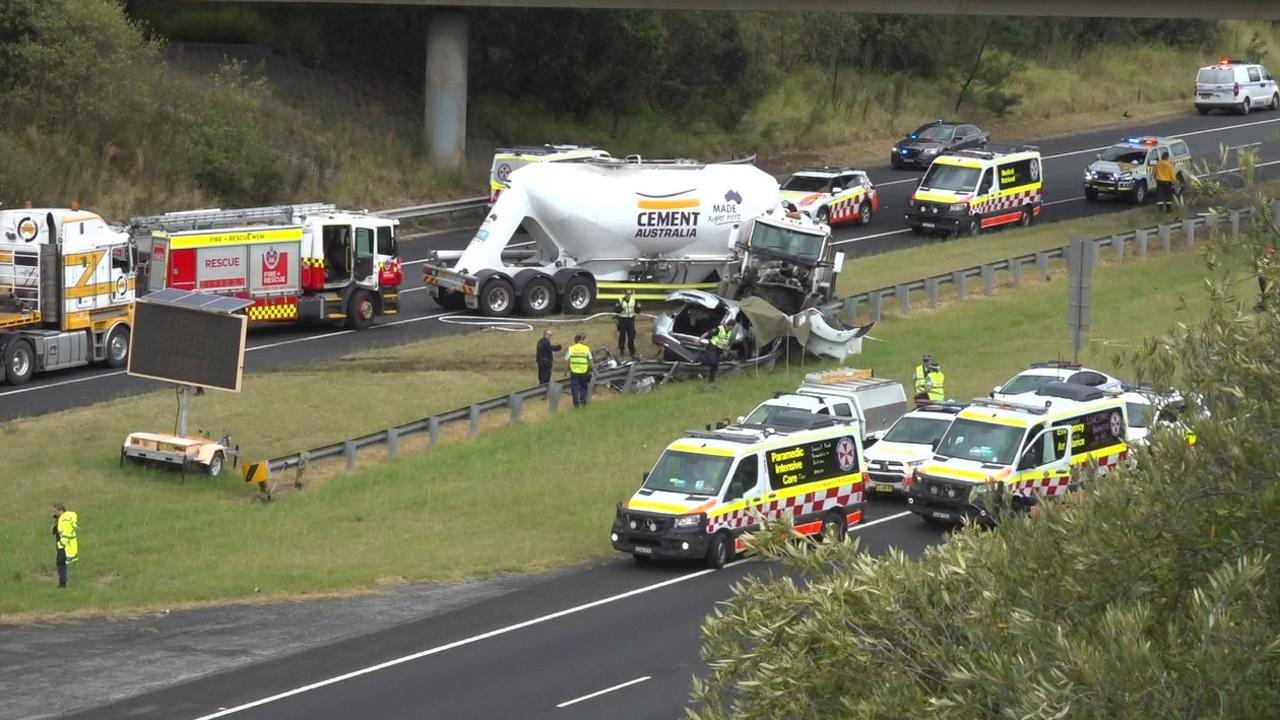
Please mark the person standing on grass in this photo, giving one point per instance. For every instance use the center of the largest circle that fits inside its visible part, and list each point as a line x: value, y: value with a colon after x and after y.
x: 625, y: 308
x: 579, y: 357
x: 545, y: 357
x: 65, y: 523
x: 1165, y: 177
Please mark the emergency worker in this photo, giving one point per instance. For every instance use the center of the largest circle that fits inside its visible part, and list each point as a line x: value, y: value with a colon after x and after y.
x: 930, y: 381
x: 717, y: 345
x: 1165, y: 176
x: 625, y: 308
x: 579, y: 357
x: 65, y: 523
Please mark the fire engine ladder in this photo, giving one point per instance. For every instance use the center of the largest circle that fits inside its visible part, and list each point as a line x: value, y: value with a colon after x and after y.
x: 19, y: 285
x: 219, y: 218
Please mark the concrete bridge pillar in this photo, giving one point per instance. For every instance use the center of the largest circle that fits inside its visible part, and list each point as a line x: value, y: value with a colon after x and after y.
x: 446, y: 92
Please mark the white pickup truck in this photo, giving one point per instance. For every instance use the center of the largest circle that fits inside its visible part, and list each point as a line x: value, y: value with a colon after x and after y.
x: 876, y: 403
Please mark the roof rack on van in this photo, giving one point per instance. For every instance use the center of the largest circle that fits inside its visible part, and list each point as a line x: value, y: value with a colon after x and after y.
x: 995, y: 150
x: 1009, y: 405
x: 799, y: 421
x: 832, y: 169
x: 732, y: 433
x: 946, y: 407
x: 1071, y: 391
x: 1058, y: 364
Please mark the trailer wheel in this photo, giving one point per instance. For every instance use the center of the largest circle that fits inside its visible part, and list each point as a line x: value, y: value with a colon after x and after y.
x: 19, y: 361
x: 579, y: 295
x: 118, y: 346
x: 497, y: 297
x: 359, y: 310
x: 214, y: 468
x: 538, y: 297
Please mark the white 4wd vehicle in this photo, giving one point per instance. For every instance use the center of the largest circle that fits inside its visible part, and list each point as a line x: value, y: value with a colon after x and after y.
x: 832, y: 195
x: 1238, y: 86
x: 906, y: 446
x: 1044, y: 373
x: 1128, y: 167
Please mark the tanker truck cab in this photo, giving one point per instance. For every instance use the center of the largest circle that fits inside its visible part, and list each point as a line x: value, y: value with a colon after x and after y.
x: 786, y: 258
x: 1010, y: 455
x: 967, y: 191
x: 709, y: 488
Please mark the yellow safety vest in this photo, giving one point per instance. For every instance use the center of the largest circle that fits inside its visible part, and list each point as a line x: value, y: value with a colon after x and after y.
x: 921, y: 385
x: 628, y: 307
x: 1165, y: 171
x: 67, y: 522
x: 721, y: 338
x: 935, y: 381
x: 579, y: 359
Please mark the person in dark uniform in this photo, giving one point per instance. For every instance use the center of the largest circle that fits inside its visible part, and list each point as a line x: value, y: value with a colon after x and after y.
x: 626, y: 308
x: 545, y: 357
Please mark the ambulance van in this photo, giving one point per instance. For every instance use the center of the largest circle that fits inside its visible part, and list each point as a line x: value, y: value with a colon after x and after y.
x: 968, y: 191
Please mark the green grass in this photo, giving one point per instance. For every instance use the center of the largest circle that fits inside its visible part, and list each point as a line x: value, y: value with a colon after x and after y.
x: 534, y: 496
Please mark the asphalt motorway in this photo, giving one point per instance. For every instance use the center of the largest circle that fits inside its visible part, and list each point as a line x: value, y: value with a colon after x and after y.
x: 620, y: 640
x: 419, y: 318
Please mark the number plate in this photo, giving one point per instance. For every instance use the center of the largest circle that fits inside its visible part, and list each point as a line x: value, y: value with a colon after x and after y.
x: 884, y: 488
x: 941, y: 515
x: 642, y: 550
x: 928, y: 224
x: 1206, y: 95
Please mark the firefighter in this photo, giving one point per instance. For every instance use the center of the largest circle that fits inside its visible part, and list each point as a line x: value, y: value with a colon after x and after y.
x: 1165, y: 177
x: 717, y: 345
x: 625, y: 308
x: 64, y: 533
x: 579, y: 357
x: 544, y: 357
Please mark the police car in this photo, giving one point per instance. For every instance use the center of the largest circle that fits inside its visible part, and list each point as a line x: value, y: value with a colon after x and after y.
x: 508, y: 160
x: 1128, y: 167
x: 967, y: 191
x: 921, y: 147
x: 832, y: 195
x: 907, y: 445
x: 1053, y: 371
x: 1235, y: 85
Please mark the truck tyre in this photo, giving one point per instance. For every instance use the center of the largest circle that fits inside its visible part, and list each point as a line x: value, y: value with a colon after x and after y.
x: 19, y: 361
x: 1090, y: 194
x: 538, y: 297
x: 359, y: 310
x: 1140, y: 193
x: 579, y: 295
x: 214, y: 468
x: 865, y: 213
x: 450, y: 300
x: 497, y: 297
x: 720, y: 552
x: 118, y: 346
x: 834, y: 527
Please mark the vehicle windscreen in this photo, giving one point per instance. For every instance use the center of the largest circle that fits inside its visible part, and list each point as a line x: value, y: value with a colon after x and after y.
x: 981, y: 441
x: 503, y: 167
x: 916, y: 430
x: 950, y: 177
x: 1138, y: 415
x: 688, y: 473
x: 1121, y: 154
x: 1027, y: 383
x: 1215, y: 76
x: 775, y: 415
x: 806, y: 183
x: 798, y: 245
x: 935, y: 133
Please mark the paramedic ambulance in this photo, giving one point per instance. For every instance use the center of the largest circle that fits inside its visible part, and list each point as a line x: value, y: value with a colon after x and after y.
x: 967, y: 191
x: 1009, y: 455
x: 708, y: 489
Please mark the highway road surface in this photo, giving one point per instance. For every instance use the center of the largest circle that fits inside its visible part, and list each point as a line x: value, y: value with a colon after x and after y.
x: 619, y: 641
x: 269, y: 346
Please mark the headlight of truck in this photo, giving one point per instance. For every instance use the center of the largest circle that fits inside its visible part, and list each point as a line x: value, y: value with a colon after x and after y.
x: 689, y: 521
x: 959, y: 208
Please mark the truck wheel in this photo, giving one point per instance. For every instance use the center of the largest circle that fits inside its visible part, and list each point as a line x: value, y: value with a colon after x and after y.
x: 497, y: 298
x: 864, y: 213
x: 214, y: 468
x: 1090, y: 194
x: 450, y: 300
x: 359, y: 310
x: 118, y: 346
x: 19, y: 361
x: 1140, y: 193
x: 720, y: 552
x: 834, y: 527
x: 538, y: 297
x: 579, y: 295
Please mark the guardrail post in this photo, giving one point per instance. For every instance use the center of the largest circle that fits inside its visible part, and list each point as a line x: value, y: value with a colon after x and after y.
x: 349, y: 452
x: 931, y: 287
x: 517, y: 403
x: 1212, y: 221
x: 475, y: 421
x: 961, y: 283
x: 1015, y: 269
x: 1165, y: 233
x: 851, y: 310
x: 1117, y: 242
x: 1042, y: 264
x: 393, y: 443
x: 1275, y: 213
x: 989, y: 280
x: 876, y: 301
x: 1189, y: 232
x: 433, y: 428
x: 554, y: 390
x: 904, y: 299
x: 1234, y: 217
x: 629, y: 384
x: 1140, y: 238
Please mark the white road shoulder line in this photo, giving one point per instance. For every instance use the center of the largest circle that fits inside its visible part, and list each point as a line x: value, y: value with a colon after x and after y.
x: 605, y: 691
x: 868, y: 524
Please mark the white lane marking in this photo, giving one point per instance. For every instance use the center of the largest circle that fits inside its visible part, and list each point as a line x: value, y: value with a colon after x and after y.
x: 605, y: 691
x: 253, y: 348
x: 868, y: 524
x: 464, y: 642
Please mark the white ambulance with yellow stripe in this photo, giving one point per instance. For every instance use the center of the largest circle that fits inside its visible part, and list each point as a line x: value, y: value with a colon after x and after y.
x: 708, y: 489
x: 967, y: 191
x: 1002, y: 455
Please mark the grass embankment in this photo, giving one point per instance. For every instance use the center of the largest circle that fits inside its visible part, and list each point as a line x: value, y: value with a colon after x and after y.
x: 534, y: 496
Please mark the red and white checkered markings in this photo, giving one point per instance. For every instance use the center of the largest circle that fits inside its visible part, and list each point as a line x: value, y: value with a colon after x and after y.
x: 811, y: 503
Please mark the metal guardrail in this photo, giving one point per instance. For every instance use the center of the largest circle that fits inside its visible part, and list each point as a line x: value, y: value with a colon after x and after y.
x: 450, y: 207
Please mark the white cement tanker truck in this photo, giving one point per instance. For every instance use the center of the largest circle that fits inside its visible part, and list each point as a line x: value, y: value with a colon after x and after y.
x: 597, y: 226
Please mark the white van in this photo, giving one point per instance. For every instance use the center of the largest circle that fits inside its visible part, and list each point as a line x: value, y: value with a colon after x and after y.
x: 906, y: 446
x: 1237, y: 86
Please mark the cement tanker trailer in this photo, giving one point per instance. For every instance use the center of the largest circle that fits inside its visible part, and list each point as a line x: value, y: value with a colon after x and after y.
x: 596, y: 227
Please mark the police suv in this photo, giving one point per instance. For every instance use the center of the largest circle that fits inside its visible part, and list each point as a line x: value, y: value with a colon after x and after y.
x: 832, y: 195
x: 1128, y: 167
x: 1235, y: 85
x: 908, y: 445
x: 709, y: 488
x: 967, y: 191
x: 1000, y: 454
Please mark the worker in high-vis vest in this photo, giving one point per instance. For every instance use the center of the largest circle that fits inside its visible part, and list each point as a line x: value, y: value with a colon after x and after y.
x: 717, y: 345
x: 625, y: 310
x: 65, y: 524
x: 929, y: 381
x: 579, y: 357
